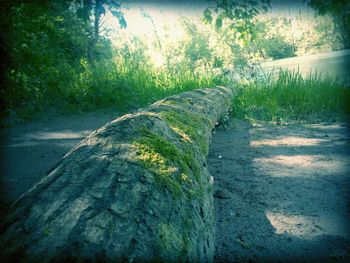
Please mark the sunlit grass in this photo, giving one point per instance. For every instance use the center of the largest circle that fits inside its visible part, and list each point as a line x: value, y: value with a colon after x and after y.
x: 145, y: 85
x: 292, y: 97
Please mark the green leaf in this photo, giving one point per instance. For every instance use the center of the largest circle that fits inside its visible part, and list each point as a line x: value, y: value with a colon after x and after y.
x: 218, y: 22
x: 102, y: 10
x: 243, y: 244
x: 122, y: 22
x: 237, y: 13
x: 59, y: 18
x: 121, y: 19
x: 115, y: 4
x: 207, y: 16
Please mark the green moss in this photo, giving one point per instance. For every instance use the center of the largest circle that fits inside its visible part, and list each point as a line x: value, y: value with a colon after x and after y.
x: 190, y: 125
x: 173, y: 244
x: 182, y: 134
x: 175, y: 168
x: 47, y: 231
x: 164, y: 159
x: 160, y: 157
x: 170, y: 240
x: 168, y: 101
x: 191, y: 164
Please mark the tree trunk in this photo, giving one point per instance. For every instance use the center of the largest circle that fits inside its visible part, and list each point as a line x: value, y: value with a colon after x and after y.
x: 93, y: 42
x: 135, y: 189
x: 97, y: 14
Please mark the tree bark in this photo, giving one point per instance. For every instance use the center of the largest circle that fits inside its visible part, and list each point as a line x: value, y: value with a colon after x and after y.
x: 135, y: 189
x: 97, y: 15
x: 96, y: 33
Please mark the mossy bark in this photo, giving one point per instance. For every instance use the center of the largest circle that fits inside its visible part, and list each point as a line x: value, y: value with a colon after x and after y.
x: 135, y: 189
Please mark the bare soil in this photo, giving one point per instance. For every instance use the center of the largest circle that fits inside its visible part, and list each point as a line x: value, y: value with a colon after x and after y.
x: 29, y: 150
x: 282, y: 192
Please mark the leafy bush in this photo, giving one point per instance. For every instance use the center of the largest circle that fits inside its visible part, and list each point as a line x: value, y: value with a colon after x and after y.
x: 277, y: 48
x: 50, y: 65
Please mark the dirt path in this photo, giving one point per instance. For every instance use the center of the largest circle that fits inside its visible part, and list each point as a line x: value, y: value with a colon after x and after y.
x: 282, y: 193
x: 29, y: 150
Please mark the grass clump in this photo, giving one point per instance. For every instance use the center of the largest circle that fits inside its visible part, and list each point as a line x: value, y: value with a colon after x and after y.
x: 292, y: 97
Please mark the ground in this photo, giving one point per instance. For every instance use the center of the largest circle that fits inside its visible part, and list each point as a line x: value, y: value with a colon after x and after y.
x: 281, y: 192
x: 30, y: 150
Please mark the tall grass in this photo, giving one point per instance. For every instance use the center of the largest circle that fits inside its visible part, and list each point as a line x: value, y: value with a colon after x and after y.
x: 293, y: 97
x: 117, y: 84
x: 147, y: 83
x: 126, y: 85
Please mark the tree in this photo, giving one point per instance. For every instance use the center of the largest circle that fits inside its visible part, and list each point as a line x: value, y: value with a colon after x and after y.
x: 94, y: 10
x: 44, y: 42
x: 340, y: 11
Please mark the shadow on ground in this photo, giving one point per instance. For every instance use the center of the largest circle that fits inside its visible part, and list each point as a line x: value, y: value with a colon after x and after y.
x: 29, y: 151
x: 282, y: 193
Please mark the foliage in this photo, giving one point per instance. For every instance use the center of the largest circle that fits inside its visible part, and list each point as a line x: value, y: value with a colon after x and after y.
x: 42, y: 53
x: 49, y: 66
x: 277, y: 48
x: 93, y: 11
x: 340, y: 11
x: 241, y: 14
x: 55, y: 60
x: 146, y: 83
x: 328, y: 37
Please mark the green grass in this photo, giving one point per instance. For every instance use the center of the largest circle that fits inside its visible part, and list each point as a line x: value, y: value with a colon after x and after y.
x: 290, y: 97
x: 145, y: 84
x: 108, y: 84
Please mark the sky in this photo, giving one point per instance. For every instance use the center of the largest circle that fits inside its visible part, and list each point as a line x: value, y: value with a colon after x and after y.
x: 167, y: 12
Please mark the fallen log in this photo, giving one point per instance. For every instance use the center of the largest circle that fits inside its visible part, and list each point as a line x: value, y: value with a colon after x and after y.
x: 137, y: 189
